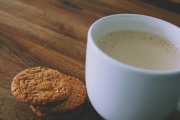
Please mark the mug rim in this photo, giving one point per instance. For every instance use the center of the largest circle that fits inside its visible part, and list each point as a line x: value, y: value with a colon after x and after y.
x: 119, y: 63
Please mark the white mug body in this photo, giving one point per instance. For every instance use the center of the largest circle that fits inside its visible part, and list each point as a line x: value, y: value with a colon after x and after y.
x: 121, y: 92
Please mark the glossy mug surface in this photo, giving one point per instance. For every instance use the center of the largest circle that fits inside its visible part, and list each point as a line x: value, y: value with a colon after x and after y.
x: 119, y: 91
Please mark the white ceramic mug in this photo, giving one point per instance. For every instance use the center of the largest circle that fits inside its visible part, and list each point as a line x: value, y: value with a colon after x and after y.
x: 121, y: 92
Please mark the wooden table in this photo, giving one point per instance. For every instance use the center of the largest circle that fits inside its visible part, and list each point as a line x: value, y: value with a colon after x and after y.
x: 52, y: 33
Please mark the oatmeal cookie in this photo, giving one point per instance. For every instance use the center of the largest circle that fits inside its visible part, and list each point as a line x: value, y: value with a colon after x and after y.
x: 39, y: 86
x: 76, y: 98
x: 59, y: 115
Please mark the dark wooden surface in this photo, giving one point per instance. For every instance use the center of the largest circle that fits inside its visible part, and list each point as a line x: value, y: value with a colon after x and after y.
x: 53, y: 33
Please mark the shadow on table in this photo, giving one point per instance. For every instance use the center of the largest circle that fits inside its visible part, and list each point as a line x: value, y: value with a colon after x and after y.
x: 166, y: 4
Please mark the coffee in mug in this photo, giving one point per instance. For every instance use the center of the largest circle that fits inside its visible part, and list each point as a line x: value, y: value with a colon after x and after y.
x: 140, y: 49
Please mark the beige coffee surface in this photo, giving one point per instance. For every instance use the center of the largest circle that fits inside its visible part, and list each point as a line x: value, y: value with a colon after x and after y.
x: 139, y: 49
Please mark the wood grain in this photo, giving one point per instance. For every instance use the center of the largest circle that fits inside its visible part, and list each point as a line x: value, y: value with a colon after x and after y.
x: 53, y: 33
